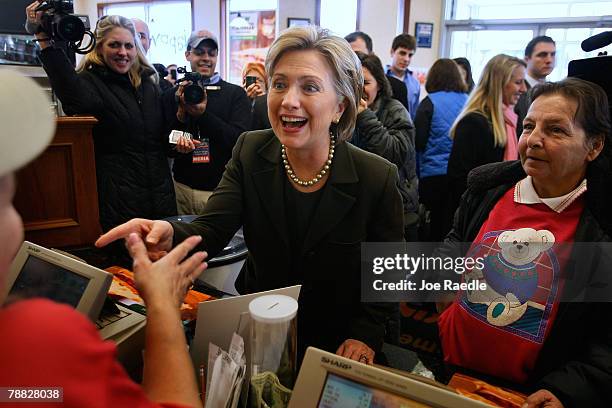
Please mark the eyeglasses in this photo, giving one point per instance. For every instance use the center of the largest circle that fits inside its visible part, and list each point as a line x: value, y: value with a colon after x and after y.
x: 200, y: 52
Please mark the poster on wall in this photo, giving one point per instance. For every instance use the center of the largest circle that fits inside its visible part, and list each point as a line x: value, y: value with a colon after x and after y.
x: 250, y: 35
x: 423, y: 34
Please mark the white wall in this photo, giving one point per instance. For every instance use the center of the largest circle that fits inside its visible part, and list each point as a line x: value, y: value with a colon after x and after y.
x: 381, y: 20
x: 295, y: 8
x: 207, y: 15
x: 427, y: 11
x: 90, y: 7
x: 206, y: 12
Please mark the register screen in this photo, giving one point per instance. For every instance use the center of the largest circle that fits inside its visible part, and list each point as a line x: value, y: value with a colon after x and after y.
x: 340, y: 392
x: 40, y: 278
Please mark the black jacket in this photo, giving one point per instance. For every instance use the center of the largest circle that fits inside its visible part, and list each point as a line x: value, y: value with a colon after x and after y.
x: 575, y: 362
x: 521, y: 108
x: 359, y: 203
x: 259, y: 114
x: 387, y: 131
x: 130, y: 138
x: 399, y: 91
x: 473, y: 146
x: 227, y: 115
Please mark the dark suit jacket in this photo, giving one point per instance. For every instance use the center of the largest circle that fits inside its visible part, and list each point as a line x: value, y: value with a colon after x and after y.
x: 399, y: 90
x: 359, y: 203
x: 521, y: 108
x: 259, y: 114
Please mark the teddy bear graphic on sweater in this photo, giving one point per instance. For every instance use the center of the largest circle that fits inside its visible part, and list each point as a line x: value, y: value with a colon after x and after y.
x: 511, y: 275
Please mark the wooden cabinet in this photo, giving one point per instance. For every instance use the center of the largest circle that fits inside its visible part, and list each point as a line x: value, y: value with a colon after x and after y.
x: 56, y: 194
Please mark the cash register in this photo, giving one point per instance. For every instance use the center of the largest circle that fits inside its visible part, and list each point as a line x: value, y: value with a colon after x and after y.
x: 40, y: 272
x: 327, y: 380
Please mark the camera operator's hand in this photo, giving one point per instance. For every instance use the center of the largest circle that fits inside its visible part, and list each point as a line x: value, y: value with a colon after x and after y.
x: 32, y: 15
x: 185, y: 108
x: 184, y: 145
x: 34, y: 18
x: 254, y: 90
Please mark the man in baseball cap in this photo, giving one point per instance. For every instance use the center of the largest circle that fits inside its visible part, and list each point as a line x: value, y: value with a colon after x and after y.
x: 27, y: 121
x: 215, y: 124
x: 202, y: 52
x: 27, y: 128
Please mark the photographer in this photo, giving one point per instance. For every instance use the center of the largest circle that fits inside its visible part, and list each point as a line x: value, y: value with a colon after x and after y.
x: 116, y: 84
x: 254, y: 80
x: 215, y: 119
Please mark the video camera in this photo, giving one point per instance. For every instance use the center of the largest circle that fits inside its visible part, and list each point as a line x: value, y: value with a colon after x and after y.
x: 59, y: 23
x: 597, y: 69
x: 194, y: 93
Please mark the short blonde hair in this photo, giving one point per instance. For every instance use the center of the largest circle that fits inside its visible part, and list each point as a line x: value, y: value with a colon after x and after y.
x: 486, y: 98
x: 342, y: 60
x: 104, y: 26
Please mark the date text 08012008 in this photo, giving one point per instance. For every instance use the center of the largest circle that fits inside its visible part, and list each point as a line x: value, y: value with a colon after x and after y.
x: 31, y: 394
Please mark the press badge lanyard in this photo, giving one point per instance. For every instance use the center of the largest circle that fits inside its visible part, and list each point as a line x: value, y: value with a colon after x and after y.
x: 201, y: 154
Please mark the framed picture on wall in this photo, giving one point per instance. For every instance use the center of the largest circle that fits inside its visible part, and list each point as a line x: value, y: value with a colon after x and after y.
x: 424, y: 34
x: 297, y: 22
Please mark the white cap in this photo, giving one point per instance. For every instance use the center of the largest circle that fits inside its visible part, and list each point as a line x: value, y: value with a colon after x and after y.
x: 273, y: 308
x: 26, y: 118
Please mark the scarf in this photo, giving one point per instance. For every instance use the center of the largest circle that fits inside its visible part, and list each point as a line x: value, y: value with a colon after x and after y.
x: 510, y: 119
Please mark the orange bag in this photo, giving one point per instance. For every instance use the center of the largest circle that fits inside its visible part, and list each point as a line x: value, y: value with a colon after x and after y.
x: 123, y: 286
x: 487, y: 393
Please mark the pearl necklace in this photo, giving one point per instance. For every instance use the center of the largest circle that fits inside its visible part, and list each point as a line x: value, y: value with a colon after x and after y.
x: 320, y: 174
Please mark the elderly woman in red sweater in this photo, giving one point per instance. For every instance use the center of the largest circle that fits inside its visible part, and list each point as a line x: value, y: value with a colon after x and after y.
x: 532, y: 326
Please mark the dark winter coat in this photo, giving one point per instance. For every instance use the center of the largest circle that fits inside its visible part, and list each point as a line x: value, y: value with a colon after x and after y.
x: 387, y: 131
x: 130, y: 138
x: 473, y: 146
x: 227, y: 116
x: 575, y: 362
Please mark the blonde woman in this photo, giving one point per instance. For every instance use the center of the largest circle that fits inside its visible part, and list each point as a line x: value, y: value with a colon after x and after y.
x: 116, y: 84
x: 485, y: 131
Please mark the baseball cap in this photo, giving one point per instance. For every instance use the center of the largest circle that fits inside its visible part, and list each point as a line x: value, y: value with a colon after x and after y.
x: 27, y: 121
x: 196, y: 38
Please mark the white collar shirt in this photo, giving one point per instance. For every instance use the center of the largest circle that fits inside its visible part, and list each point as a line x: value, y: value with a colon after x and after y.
x: 525, y: 193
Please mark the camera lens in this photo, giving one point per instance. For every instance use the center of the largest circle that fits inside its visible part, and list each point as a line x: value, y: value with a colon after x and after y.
x: 70, y: 28
x: 193, y: 94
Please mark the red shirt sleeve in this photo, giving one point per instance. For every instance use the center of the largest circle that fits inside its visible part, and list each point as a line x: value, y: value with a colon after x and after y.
x: 46, y: 344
